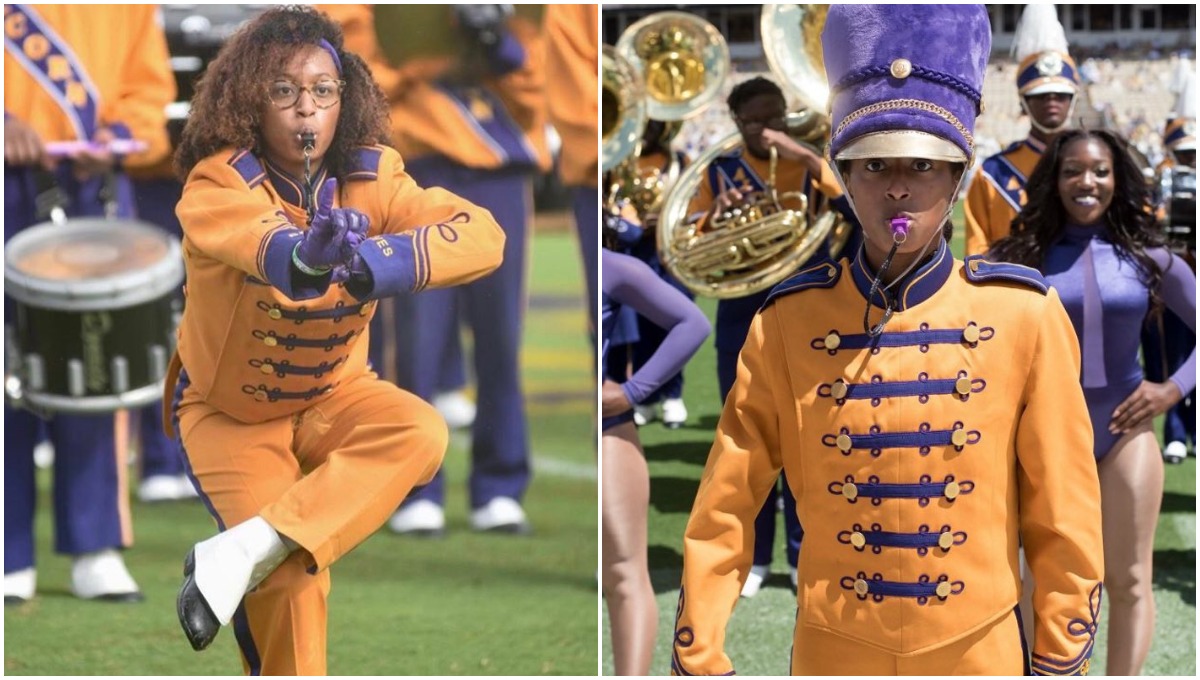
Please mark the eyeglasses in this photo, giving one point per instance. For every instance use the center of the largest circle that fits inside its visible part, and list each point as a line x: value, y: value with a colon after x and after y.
x: 324, y: 93
x: 774, y: 123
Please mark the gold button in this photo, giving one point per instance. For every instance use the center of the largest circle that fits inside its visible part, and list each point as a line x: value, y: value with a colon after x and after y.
x: 1087, y: 666
x: 974, y: 265
x: 849, y: 490
x: 857, y: 539
x: 860, y: 587
x: 946, y: 540
x: 832, y: 272
x: 267, y: 368
x: 962, y: 385
x: 260, y: 395
x: 275, y: 313
x: 270, y: 341
x: 971, y: 334
x: 839, y: 390
x: 952, y: 490
x: 833, y: 341
x: 943, y: 589
x: 901, y: 68
x: 843, y: 442
x: 959, y: 437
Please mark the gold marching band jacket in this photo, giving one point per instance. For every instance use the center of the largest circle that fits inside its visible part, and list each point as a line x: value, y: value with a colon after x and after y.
x: 920, y: 462
x: 268, y: 347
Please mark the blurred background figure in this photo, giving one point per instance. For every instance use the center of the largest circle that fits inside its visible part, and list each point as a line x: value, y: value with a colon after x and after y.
x: 76, y: 74
x: 572, y: 77
x: 466, y: 87
x: 161, y: 463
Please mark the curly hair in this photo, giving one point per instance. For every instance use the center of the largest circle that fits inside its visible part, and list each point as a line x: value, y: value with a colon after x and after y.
x: 227, y: 108
x: 1129, y: 221
x: 745, y: 91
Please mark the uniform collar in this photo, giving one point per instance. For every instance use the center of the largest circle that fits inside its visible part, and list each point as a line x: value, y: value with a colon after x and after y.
x: 919, y: 286
x: 1038, y: 147
x: 289, y: 188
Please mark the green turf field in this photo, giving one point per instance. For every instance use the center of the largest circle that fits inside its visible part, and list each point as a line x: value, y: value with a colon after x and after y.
x: 759, y: 637
x: 467, y: 604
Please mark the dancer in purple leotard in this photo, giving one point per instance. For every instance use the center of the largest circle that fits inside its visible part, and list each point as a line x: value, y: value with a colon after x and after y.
x: 1089, y: 228
x: 633, y: 614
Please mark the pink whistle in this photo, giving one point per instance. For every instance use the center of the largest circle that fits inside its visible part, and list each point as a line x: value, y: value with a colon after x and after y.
x: 117, y: 146
x: 900, y: 227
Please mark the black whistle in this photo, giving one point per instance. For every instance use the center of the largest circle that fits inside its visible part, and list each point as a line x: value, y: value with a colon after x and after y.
x: 308, y: 139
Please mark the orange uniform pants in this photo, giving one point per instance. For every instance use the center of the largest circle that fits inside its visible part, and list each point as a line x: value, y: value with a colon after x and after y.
x: 995, y: 649
x: 327, y: 478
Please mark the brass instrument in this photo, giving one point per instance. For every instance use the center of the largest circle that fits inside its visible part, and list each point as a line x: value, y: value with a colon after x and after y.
x: 679, y: 62
x: 622, y: 109
x: 756, y: 245
x: 683, y: 59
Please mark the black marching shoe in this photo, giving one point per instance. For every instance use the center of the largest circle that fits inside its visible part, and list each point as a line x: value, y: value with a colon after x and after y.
x: 199, y: 623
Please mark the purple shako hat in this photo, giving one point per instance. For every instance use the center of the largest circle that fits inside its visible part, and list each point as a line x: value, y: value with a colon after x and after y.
x: 905, y: 80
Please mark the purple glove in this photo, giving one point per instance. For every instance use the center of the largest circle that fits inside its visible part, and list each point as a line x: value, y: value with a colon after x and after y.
x: 354, y: 265
x: 324, y: 244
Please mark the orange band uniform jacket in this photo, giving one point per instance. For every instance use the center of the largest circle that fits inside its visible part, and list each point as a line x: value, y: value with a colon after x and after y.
x: 997, y: 194
x: 916, y: 467
x: 257, y: 345
x: 497, y: 122
x: 572, y: 83
x: 97, y: 65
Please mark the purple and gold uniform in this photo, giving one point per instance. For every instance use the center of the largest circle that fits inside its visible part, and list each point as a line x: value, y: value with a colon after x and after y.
x: 324, y: 450
x: 483, y: 140
x: 572, y: 87
x: 920, y: 458
x: 70, y: 70
x: 997, y: 194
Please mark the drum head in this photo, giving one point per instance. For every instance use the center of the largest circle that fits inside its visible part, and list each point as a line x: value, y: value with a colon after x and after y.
x: 91, y: 263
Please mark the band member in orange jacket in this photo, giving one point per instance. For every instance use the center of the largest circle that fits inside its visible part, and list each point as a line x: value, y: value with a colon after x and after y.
x: 76, y: 73
x: 572, y: 83
x: 1047, y: 83
x: 922, y: 406
x: 472, y: 122
x: 297, y: 219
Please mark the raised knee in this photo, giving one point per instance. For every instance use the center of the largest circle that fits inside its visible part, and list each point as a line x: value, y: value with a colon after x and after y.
x: 424, y: 439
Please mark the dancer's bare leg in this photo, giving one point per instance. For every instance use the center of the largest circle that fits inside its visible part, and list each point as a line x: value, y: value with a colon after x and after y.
x: 1131, y: 484
x: 632, y: 611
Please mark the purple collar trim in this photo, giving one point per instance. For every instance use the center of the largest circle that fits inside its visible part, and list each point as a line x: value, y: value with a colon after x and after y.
x: 920, y: 285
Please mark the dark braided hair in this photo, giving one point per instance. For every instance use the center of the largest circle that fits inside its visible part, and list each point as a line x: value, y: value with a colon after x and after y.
x: 1128, y: 223
x: 745, y: 91
x: 227, y: 108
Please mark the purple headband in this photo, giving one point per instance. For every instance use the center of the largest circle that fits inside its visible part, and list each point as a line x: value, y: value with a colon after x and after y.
x: 324, y: 44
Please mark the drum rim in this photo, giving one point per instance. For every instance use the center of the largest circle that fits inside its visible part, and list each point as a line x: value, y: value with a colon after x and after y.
x: 135, y: 398
x: 110, y: 292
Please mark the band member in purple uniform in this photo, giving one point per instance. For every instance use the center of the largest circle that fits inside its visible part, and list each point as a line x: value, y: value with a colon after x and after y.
x: 75, y: 73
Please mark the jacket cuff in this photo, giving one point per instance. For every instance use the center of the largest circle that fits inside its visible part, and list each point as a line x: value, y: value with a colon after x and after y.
x: 277, y: 267
x: 394, y: 264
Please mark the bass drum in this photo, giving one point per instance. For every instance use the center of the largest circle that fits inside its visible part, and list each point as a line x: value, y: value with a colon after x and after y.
x: 96, y: 305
